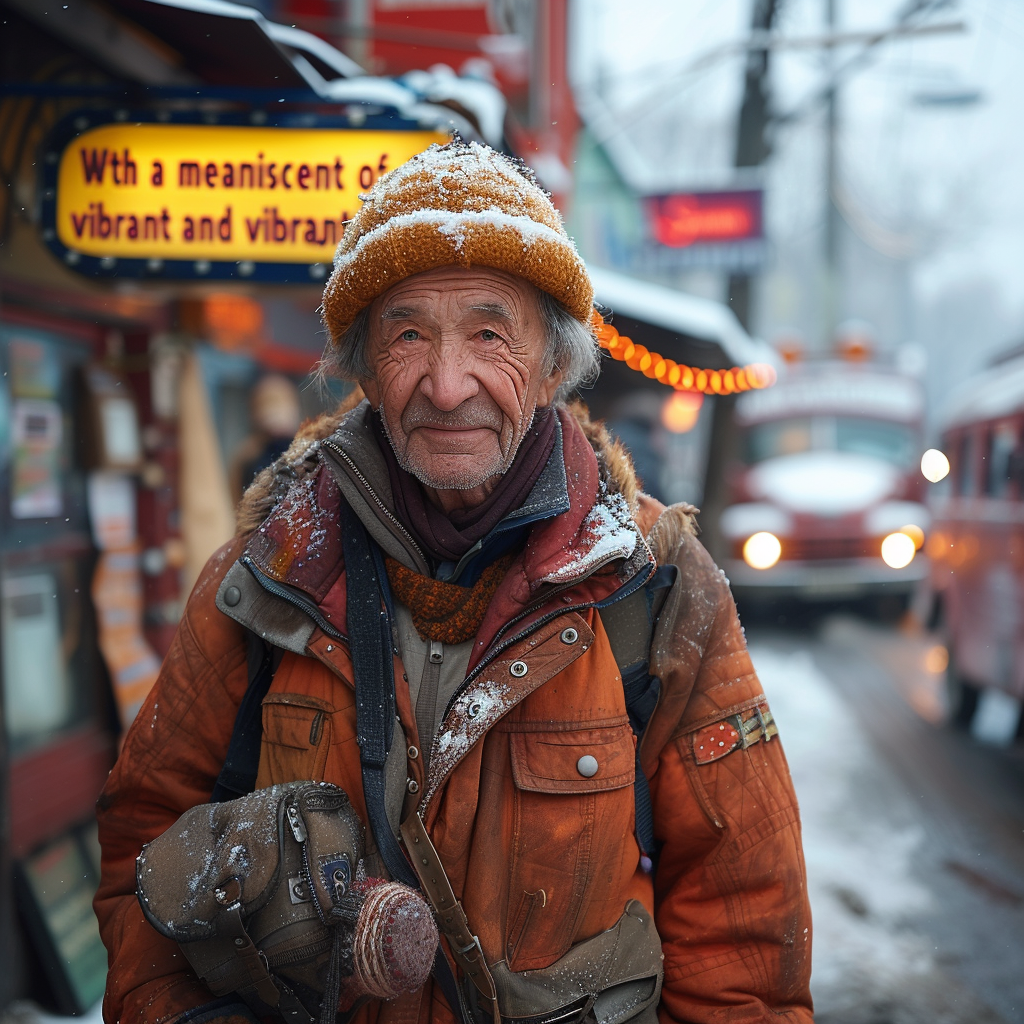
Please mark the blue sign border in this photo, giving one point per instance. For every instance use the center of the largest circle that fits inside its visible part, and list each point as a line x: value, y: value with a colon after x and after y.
x: 111, y: 268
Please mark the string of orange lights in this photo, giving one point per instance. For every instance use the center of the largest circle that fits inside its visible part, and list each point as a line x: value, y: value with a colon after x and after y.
x: 679, y: 375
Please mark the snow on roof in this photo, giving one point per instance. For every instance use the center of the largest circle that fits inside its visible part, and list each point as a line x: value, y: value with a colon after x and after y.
x: 685, y: 314
x: 420, y: 96
x: 306, y: 42
x: 481, y: 98
x: 991, y: 394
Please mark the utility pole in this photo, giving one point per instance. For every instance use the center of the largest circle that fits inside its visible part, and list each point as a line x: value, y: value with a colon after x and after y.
x: 832, y: 225
x: 752, y: 149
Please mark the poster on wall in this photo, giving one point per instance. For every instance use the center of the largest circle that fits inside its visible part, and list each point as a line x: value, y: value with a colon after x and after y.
x: 36, y: 430
x: 36, y: 459
x: 37, y: 698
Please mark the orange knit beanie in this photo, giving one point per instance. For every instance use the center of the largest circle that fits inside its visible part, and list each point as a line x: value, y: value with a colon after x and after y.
x: 460, y: 204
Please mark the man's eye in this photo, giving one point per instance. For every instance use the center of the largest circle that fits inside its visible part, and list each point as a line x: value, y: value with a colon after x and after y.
x: 410, y: 335
x: 488, y: 335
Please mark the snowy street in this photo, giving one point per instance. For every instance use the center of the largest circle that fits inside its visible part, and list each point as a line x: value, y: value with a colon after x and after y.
x: 914, y: 835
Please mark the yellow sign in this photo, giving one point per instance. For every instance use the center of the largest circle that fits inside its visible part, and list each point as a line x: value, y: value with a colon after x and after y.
x: 205, y: 192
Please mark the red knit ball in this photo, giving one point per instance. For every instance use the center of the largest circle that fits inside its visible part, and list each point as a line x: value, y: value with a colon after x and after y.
x: 395, y: 940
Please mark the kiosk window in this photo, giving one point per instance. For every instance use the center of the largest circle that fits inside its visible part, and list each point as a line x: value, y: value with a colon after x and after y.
x: 1002, y: 441
x: 47, y: 656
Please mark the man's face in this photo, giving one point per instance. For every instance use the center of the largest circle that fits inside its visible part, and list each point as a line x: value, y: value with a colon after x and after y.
x: 457, y: 362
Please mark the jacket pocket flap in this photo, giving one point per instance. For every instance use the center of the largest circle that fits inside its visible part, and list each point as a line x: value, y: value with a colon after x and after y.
x: 294, y: 720
x: 573, y: 761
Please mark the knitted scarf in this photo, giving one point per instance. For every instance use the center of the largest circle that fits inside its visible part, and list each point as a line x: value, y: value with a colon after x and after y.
x: 446, y: 611
x: 446, y: 537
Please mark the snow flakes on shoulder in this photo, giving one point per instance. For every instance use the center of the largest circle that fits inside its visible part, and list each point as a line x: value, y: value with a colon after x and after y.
x: 607, y: 533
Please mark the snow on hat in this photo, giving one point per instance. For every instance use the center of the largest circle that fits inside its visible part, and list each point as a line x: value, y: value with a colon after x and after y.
x: 459, y: 204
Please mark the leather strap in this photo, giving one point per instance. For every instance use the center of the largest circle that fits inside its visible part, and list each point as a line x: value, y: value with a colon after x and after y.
x: 249, y: 975
x: 451, y: 918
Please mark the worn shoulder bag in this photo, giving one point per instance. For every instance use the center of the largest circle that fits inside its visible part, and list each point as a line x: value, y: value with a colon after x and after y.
x: 267, y: 897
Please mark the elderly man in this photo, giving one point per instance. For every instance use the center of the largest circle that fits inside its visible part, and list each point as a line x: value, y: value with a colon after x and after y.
x: 470, y: 616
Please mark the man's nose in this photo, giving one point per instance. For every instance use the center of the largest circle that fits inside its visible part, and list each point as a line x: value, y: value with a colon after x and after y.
x: 448, y: 382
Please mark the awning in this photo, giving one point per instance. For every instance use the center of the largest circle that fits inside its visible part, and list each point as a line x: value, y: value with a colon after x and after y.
x: 190, y: 49
x: 683, y: 329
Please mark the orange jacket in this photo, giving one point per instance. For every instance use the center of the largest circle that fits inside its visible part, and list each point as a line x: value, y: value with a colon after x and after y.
x: 540, y: 857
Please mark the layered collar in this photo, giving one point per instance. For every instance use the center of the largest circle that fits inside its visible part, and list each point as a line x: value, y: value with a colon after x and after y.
x: 578, y: 536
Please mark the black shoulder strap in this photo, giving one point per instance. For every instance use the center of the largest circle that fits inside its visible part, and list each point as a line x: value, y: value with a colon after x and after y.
x: 238, y: 776
x: 370, y: 647
x: 629, y: 624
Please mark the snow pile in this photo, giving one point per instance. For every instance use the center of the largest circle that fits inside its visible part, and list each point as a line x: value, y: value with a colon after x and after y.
x: 860, y: 863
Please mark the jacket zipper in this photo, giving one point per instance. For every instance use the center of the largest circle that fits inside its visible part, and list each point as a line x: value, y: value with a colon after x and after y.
x: 289, y: 594
x: 308, y: 606
x: 634, y: 584
x: 342, y: 454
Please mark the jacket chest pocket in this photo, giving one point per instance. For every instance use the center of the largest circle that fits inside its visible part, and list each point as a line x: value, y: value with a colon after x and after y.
x: 296, y: 738
x: 573, y: 814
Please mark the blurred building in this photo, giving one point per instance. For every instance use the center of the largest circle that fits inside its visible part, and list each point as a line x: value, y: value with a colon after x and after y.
x: 175, y: 178
x: 128, y: 372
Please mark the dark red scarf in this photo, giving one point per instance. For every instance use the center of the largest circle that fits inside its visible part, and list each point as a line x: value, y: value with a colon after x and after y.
x: 446, y: 537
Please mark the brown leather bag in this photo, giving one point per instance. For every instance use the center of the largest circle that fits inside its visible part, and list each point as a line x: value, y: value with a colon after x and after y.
x: 267, y: 897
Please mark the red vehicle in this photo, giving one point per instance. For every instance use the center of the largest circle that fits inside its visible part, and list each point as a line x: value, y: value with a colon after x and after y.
x: 827, y: 498
x: 977, y: 547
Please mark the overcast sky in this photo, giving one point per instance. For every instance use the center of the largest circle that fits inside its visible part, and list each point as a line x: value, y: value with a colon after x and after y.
x: 939, y: 186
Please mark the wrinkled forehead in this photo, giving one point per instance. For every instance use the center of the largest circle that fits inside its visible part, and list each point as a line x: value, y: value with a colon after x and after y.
x: 447, y: 293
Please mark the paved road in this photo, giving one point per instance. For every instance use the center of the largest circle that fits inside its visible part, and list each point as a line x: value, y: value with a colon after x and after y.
x: 914, y: 835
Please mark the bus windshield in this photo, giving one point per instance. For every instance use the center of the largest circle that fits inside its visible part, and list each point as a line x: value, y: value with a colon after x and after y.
x: 879, y: 439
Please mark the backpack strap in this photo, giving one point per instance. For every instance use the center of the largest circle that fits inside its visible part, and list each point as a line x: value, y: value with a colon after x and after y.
x: 368, y: 617
x: 238, y: 776
x: 629, y: 624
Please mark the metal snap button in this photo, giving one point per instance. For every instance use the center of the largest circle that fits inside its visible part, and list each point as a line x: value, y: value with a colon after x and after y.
x: 413, y: 752
x: 569, y: 636
x: 518, y: 669
x: 474, y: 709
x: 587, y: 766
x: 414, y: 787
x: 232, y: 596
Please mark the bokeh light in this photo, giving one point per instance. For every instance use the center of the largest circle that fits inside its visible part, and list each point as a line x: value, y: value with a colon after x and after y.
x: 915, y: 533
x: 898, y: 550
x: 934, y: 465
x: 681, y: 410
x: 936, y: 659
x: 762, y: 550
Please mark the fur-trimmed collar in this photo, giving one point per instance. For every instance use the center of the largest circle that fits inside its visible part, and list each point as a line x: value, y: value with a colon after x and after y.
x: 271, y: 485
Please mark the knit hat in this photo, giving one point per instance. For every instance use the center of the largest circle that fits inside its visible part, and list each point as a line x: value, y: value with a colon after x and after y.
x: 460, y: 204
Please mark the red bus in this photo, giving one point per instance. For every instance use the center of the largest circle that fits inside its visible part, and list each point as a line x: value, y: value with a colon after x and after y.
x: 827, y: 500
x: 977, y: 547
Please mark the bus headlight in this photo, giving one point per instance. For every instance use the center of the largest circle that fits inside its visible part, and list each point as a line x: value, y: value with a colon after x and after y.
x: 898, y: 550
x: 762, y: 550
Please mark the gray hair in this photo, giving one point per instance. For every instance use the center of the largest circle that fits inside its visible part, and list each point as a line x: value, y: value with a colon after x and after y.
x: 571, y: 348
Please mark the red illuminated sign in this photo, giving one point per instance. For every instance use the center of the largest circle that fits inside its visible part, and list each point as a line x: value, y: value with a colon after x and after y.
x: 698, y: 218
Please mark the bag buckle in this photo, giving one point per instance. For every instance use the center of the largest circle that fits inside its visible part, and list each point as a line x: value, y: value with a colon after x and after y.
x: 463, y: 951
